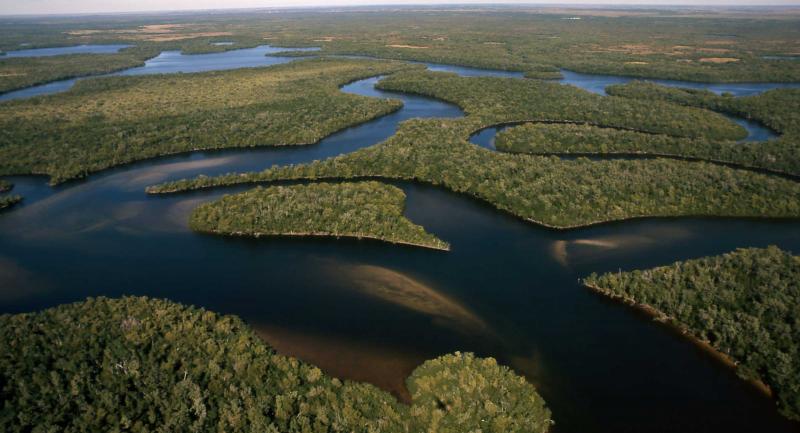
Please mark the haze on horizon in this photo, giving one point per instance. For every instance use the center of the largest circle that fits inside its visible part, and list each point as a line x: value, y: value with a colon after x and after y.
x: 104, y: 6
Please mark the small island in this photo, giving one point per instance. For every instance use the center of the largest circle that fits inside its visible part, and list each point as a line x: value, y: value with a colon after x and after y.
x: 154, y: 365
x: 363, y: 210
x: 742, y: 304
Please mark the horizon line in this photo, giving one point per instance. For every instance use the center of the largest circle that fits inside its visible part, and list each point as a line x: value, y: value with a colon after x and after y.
x: 407, y: 5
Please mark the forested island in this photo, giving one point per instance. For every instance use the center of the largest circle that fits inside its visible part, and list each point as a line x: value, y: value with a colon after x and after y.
x: 369, y: 210
x: 145, y: 365
x: 548, y: 190
x: 745, y: 304
x: 105, y: 122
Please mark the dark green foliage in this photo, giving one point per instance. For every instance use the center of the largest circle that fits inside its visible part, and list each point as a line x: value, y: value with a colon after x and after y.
x: 746, y: 304
x: 5, y: 185
x: 145, y: 365
x: 451, y: 394
x: 549, y: 139
x: 552, y: 191
x: 104, y: 122
x: 777, y: 109
x: 361, y: 210
x: 7, y: 201
x: 495, y: 100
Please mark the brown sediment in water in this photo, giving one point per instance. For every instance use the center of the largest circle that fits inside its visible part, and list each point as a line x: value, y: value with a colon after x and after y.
x: 676, y: 326
x: 383, y: 366
x: 399, y: 289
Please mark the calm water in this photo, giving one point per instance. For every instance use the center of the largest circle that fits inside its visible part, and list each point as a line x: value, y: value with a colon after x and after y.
x: 170, y: 62
x: 507, y: 289
x: 76, y: 49
x: 597, y: 83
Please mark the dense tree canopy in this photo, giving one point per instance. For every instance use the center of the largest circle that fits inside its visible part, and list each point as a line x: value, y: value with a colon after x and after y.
x: 104, y: 122
x: 146, y: 365
x: 361, y: 210
x: 746, y: 304
x: 552, y: 191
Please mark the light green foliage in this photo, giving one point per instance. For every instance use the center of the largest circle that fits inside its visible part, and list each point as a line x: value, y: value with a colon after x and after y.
x: 364, y: 209
x: 549, y: 190
x: 145, y: 365
x: 459, y: 392
x: 110, y: 121
x: 745, y: 303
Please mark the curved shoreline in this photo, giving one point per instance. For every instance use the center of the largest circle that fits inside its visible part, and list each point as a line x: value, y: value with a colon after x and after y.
x: 674, y: 325
x: 322, y: 235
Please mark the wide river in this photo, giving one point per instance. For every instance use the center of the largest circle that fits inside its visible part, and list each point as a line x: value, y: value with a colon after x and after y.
x: 508, y: 289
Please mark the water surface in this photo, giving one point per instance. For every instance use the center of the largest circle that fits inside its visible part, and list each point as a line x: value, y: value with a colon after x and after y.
x: 58, y: 51
x: 507, y: 289
x: 597, y: 83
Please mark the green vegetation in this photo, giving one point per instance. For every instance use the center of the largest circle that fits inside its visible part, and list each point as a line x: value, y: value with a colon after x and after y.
x: 105, y: 122
x: 361, y: 210
x: 777, y: 109
x: 497, y: 100
x: 581, y: 139
x: 7, y: 201
x: 145, y: 365
x: 20, y: 72
x: 745, y: 304
x: 5, y: 185
x: 677, y: 43
x: 548, y: 190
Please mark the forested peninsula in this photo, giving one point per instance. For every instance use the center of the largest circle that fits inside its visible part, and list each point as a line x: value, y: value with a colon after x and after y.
x: 551, y: 191
x: 148, y: 365
x: 369, y: 210
x: 105, y: 122
x: 745, y: 304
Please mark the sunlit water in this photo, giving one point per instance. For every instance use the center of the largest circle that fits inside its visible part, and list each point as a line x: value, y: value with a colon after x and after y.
x: 507, y: 289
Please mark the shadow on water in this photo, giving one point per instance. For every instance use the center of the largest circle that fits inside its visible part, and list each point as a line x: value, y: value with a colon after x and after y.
x: 372, y: 311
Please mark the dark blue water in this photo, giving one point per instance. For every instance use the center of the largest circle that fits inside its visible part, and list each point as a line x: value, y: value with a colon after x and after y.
x: 58, y: 51
x: 597, y: 83
x: 507, y: 289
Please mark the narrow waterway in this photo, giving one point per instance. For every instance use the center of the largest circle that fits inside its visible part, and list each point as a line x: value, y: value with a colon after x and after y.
x: 507, y: 289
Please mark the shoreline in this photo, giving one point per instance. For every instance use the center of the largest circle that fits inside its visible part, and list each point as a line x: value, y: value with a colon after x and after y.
x: 685, y: 332
x: 322, y: 235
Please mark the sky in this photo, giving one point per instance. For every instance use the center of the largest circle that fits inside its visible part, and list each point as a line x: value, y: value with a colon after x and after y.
x: 13, y: 7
